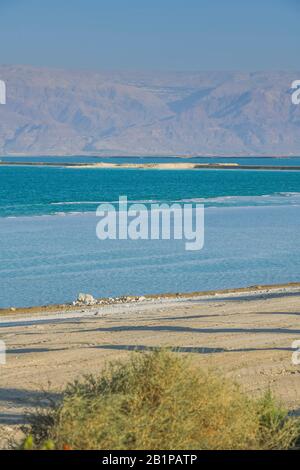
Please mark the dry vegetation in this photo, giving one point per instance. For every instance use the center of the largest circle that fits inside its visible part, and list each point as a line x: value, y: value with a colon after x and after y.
x: 158, y: 400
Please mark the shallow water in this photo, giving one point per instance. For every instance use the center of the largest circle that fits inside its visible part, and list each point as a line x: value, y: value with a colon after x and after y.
x: 51, y: 259
x: 48, y: 254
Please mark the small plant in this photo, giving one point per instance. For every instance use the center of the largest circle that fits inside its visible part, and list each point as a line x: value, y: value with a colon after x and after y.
x: 157, y: 400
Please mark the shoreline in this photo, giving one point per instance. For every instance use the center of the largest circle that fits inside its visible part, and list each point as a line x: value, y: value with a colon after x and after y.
x: 263, y: 290
x: 153, y: 166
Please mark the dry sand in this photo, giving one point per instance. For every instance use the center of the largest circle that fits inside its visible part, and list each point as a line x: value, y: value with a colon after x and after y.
x: 244, y: 335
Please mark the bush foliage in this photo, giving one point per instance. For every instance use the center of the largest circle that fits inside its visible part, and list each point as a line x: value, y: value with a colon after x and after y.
x: 158, y: 400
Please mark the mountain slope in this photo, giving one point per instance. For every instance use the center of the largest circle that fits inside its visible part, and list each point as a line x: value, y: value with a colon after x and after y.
x: 58, y: 112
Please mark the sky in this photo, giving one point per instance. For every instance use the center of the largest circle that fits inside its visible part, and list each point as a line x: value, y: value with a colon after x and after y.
x: 182, y: 35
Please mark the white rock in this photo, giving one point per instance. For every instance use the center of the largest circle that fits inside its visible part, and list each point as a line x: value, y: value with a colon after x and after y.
x: 86, y: 299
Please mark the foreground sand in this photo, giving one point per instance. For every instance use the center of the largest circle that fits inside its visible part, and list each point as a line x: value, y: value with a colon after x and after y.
x: 247, y: 336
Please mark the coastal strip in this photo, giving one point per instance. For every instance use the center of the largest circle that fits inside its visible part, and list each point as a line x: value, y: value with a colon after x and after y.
x: 263, y: 290
x: 155, y: 166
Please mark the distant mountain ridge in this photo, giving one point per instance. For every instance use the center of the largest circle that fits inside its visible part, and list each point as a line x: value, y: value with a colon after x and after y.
x: 63, y: 112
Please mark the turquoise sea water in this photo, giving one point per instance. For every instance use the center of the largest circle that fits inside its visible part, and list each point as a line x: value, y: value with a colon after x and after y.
x: 29, y: 191
x: 49, y: 251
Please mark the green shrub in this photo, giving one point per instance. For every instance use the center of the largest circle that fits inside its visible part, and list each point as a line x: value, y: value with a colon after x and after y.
x: 157, y: 400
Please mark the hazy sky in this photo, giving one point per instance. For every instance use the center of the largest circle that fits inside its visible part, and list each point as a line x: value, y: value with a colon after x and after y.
x: 152, y: 34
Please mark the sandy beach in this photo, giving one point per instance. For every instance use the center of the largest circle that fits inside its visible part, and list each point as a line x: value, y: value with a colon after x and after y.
x: 246, y: 334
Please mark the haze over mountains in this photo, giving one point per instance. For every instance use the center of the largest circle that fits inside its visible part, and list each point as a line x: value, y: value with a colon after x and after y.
x: 63, y: 112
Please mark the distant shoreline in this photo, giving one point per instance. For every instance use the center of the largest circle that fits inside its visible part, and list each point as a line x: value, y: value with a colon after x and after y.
x: 148, y: 155
x: 154, y: 166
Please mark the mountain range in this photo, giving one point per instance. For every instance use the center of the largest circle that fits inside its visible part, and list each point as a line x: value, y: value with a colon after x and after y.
x: 70, y: 112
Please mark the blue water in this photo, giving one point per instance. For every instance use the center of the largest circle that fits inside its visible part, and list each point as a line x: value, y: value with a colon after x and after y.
x: 48, y: 254
x: 28, y: 191
x: 51, y: 259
